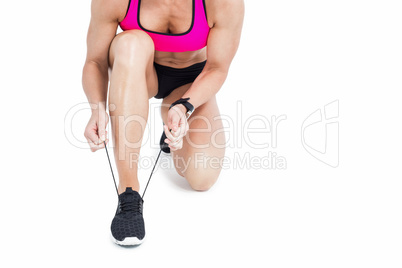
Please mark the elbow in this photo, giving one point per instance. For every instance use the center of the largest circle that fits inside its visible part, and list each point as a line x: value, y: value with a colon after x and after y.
x: 217, y: 71
x: 94, y: 70
x: 91, y: 66
x: 101, y: 65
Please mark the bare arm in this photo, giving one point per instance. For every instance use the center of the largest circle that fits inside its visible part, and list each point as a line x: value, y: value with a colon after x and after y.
x: 223, y: 41
x: 102, y: 30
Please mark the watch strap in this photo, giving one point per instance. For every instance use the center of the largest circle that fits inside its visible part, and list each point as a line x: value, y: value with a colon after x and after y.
x: 185, y: 102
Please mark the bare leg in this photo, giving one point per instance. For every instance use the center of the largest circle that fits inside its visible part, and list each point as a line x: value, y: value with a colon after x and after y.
x: 199, y: 159
x: 133, y: 81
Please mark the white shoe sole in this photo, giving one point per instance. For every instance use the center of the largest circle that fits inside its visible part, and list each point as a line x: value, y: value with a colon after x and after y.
x: 128, y: 241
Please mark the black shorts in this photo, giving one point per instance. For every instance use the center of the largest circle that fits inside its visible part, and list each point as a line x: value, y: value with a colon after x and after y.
x: 170, y: 78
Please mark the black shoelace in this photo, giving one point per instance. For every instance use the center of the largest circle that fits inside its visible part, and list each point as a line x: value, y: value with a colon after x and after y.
x: 130, y: 206
x: 111, y: 169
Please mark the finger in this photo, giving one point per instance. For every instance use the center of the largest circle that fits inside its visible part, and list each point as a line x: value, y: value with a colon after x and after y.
x: 92, y: 136
x: 183, y: 128
x: 106, y: 141
x: 177, y: 147
x: 101, y: 146
x: 176, y: 133
x: 102, y: 126
x: 175, y: 144
x: 175, y: 119
x: 94, y: 147
x: 169, y: 134
x: 180, y: 133
x: 172, y: 148
x: 169, y: 142
x: 172, y: 143
x: 177, y: 138
x: 173, y: 130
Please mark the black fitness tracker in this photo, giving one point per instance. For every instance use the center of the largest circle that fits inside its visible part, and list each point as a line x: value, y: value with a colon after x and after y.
x: 184, y: 101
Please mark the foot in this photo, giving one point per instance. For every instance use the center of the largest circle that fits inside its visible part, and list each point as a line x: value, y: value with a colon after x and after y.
x: 164, y: 146
x: 128, y: 224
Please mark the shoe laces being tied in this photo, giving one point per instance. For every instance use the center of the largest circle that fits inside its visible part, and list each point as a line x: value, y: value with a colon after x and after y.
x: 130, y: 205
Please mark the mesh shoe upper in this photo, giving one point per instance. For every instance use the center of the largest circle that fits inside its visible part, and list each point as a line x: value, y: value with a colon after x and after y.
x: 128, y: 221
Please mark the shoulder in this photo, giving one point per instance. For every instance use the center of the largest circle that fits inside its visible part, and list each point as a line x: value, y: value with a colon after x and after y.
x: 109, y: 10
x: 219, y: 11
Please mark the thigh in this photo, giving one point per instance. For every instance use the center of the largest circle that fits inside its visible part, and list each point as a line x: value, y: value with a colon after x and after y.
x: 132, y: 41
x: 204, y: 145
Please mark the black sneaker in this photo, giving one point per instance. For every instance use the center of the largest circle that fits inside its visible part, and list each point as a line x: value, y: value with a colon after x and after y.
x: 128, y: 224
x: 164, y: 146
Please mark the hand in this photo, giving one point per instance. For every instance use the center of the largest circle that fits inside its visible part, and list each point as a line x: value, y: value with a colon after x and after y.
x: 177, y: 122
x: 95, y: 132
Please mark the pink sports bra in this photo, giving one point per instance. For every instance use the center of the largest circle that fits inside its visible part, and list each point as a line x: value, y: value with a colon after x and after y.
x: 194, y: 38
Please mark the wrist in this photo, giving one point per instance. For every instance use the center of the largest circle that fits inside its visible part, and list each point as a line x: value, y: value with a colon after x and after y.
x: 182, y: 108
x: 184, y: 102
x: 97, y: 106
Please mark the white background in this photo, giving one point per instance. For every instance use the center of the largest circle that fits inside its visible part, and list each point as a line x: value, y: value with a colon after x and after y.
x: 57, y: 200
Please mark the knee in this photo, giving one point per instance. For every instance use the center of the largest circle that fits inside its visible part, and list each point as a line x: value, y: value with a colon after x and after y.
x: 133, y: 42
x: 202, y: 181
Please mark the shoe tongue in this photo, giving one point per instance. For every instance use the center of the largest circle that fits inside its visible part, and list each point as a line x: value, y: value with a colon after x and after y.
x: 129, y: 189
x: 130, y: 195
